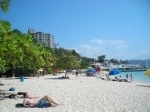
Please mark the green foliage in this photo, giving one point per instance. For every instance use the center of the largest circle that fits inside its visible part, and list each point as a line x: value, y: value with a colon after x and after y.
x: 4, y: 5
x: 4, y: 28
x: 85, y: 62
x: 19, y: 52
x: 66, y: 59
x: 17, y: 31
x: 101, y: 58
x: 50, y: 71
x: 115, y: 61
x: 70, y: 59
x: 4, y: 32
x: 123, y: 61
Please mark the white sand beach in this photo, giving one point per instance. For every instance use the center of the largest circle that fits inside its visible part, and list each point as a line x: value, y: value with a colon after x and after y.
x: 78, y: 94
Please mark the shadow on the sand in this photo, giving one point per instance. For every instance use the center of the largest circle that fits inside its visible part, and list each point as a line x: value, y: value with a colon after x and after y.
x: 3, y: 94
x: 12, y: 78
x: 56, y: 78
x: 20, y: 105
x: 24, y: 78
x: 143, y: 86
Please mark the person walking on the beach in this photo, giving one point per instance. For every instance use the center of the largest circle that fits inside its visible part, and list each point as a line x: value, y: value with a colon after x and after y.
x: 37, y: 74
x: 76, y: 72
x: 127, y: 76
x: 98, y: 74
x: 39, y: 103
x: 131, y: 77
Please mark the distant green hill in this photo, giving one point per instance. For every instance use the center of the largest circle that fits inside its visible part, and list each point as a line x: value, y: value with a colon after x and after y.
x: 142, y: 62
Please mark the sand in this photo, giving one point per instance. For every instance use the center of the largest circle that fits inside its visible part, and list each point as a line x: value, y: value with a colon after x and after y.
x: 78, y: 94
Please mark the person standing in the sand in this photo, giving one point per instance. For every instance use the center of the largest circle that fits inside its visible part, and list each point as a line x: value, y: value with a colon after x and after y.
x: 127, y: 76
x: 131, y: 77
x: 97, y: 69
x: 76, y: 72
x: 37, y: 74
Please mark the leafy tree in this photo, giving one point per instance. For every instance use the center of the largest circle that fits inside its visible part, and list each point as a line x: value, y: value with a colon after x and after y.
x: 124, y: 61
x: 16, y: 31
x: 4, y: 37
x: 101, y: 58
x: 85, y: 62
x: 115, y: 61
x: 19, y: 53
x: 66, y: 59
x: 3, y: 25
x: 4, y: 5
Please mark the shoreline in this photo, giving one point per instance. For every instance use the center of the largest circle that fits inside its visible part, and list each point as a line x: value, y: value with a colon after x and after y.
x: 62, y: 74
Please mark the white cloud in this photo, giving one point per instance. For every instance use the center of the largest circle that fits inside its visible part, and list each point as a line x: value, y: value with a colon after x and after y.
x: 111, y: 48
x: 90, y: 51
x: 98, y: 47
x: 118, y: 44
x: 98, y: 41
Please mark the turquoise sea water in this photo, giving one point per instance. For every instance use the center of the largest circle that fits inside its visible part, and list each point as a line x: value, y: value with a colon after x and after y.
x: 138, y: 76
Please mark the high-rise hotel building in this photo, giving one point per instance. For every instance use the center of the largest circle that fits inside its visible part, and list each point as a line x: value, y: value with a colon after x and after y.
x: 43, y: 38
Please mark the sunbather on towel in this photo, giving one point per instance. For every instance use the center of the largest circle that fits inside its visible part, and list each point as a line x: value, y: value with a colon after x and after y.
x: 63, y: 77
x: 39, y: 102
x: 115, y: 79
x: 123, y: 80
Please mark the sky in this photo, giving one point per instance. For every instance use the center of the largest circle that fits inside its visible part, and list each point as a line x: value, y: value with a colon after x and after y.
x: 119, y: 29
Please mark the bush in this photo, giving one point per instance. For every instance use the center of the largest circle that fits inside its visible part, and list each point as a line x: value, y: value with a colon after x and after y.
x: 50, y: 72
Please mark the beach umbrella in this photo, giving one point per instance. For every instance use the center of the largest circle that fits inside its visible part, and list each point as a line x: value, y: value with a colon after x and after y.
x: 114, y: 72
x: 83, y: 70
x: 90, y: 70
x: 147, y: 73
x: 105, y: 72
x: 40, y: 70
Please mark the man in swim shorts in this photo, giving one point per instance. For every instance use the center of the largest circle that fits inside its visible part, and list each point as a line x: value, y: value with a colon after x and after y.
x: 39, y: 103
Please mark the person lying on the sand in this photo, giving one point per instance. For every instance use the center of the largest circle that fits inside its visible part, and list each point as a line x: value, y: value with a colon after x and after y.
x: 115, y: 79
x: 63, y: 77
x: 123, y: 80
x: 120, y: 80
x: 39, y: 102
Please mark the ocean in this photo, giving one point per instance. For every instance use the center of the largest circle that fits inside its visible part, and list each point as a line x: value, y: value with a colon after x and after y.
x: 137, y: 76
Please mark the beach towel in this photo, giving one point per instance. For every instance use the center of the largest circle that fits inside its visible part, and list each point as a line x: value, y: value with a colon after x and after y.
x: 20, y: 105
